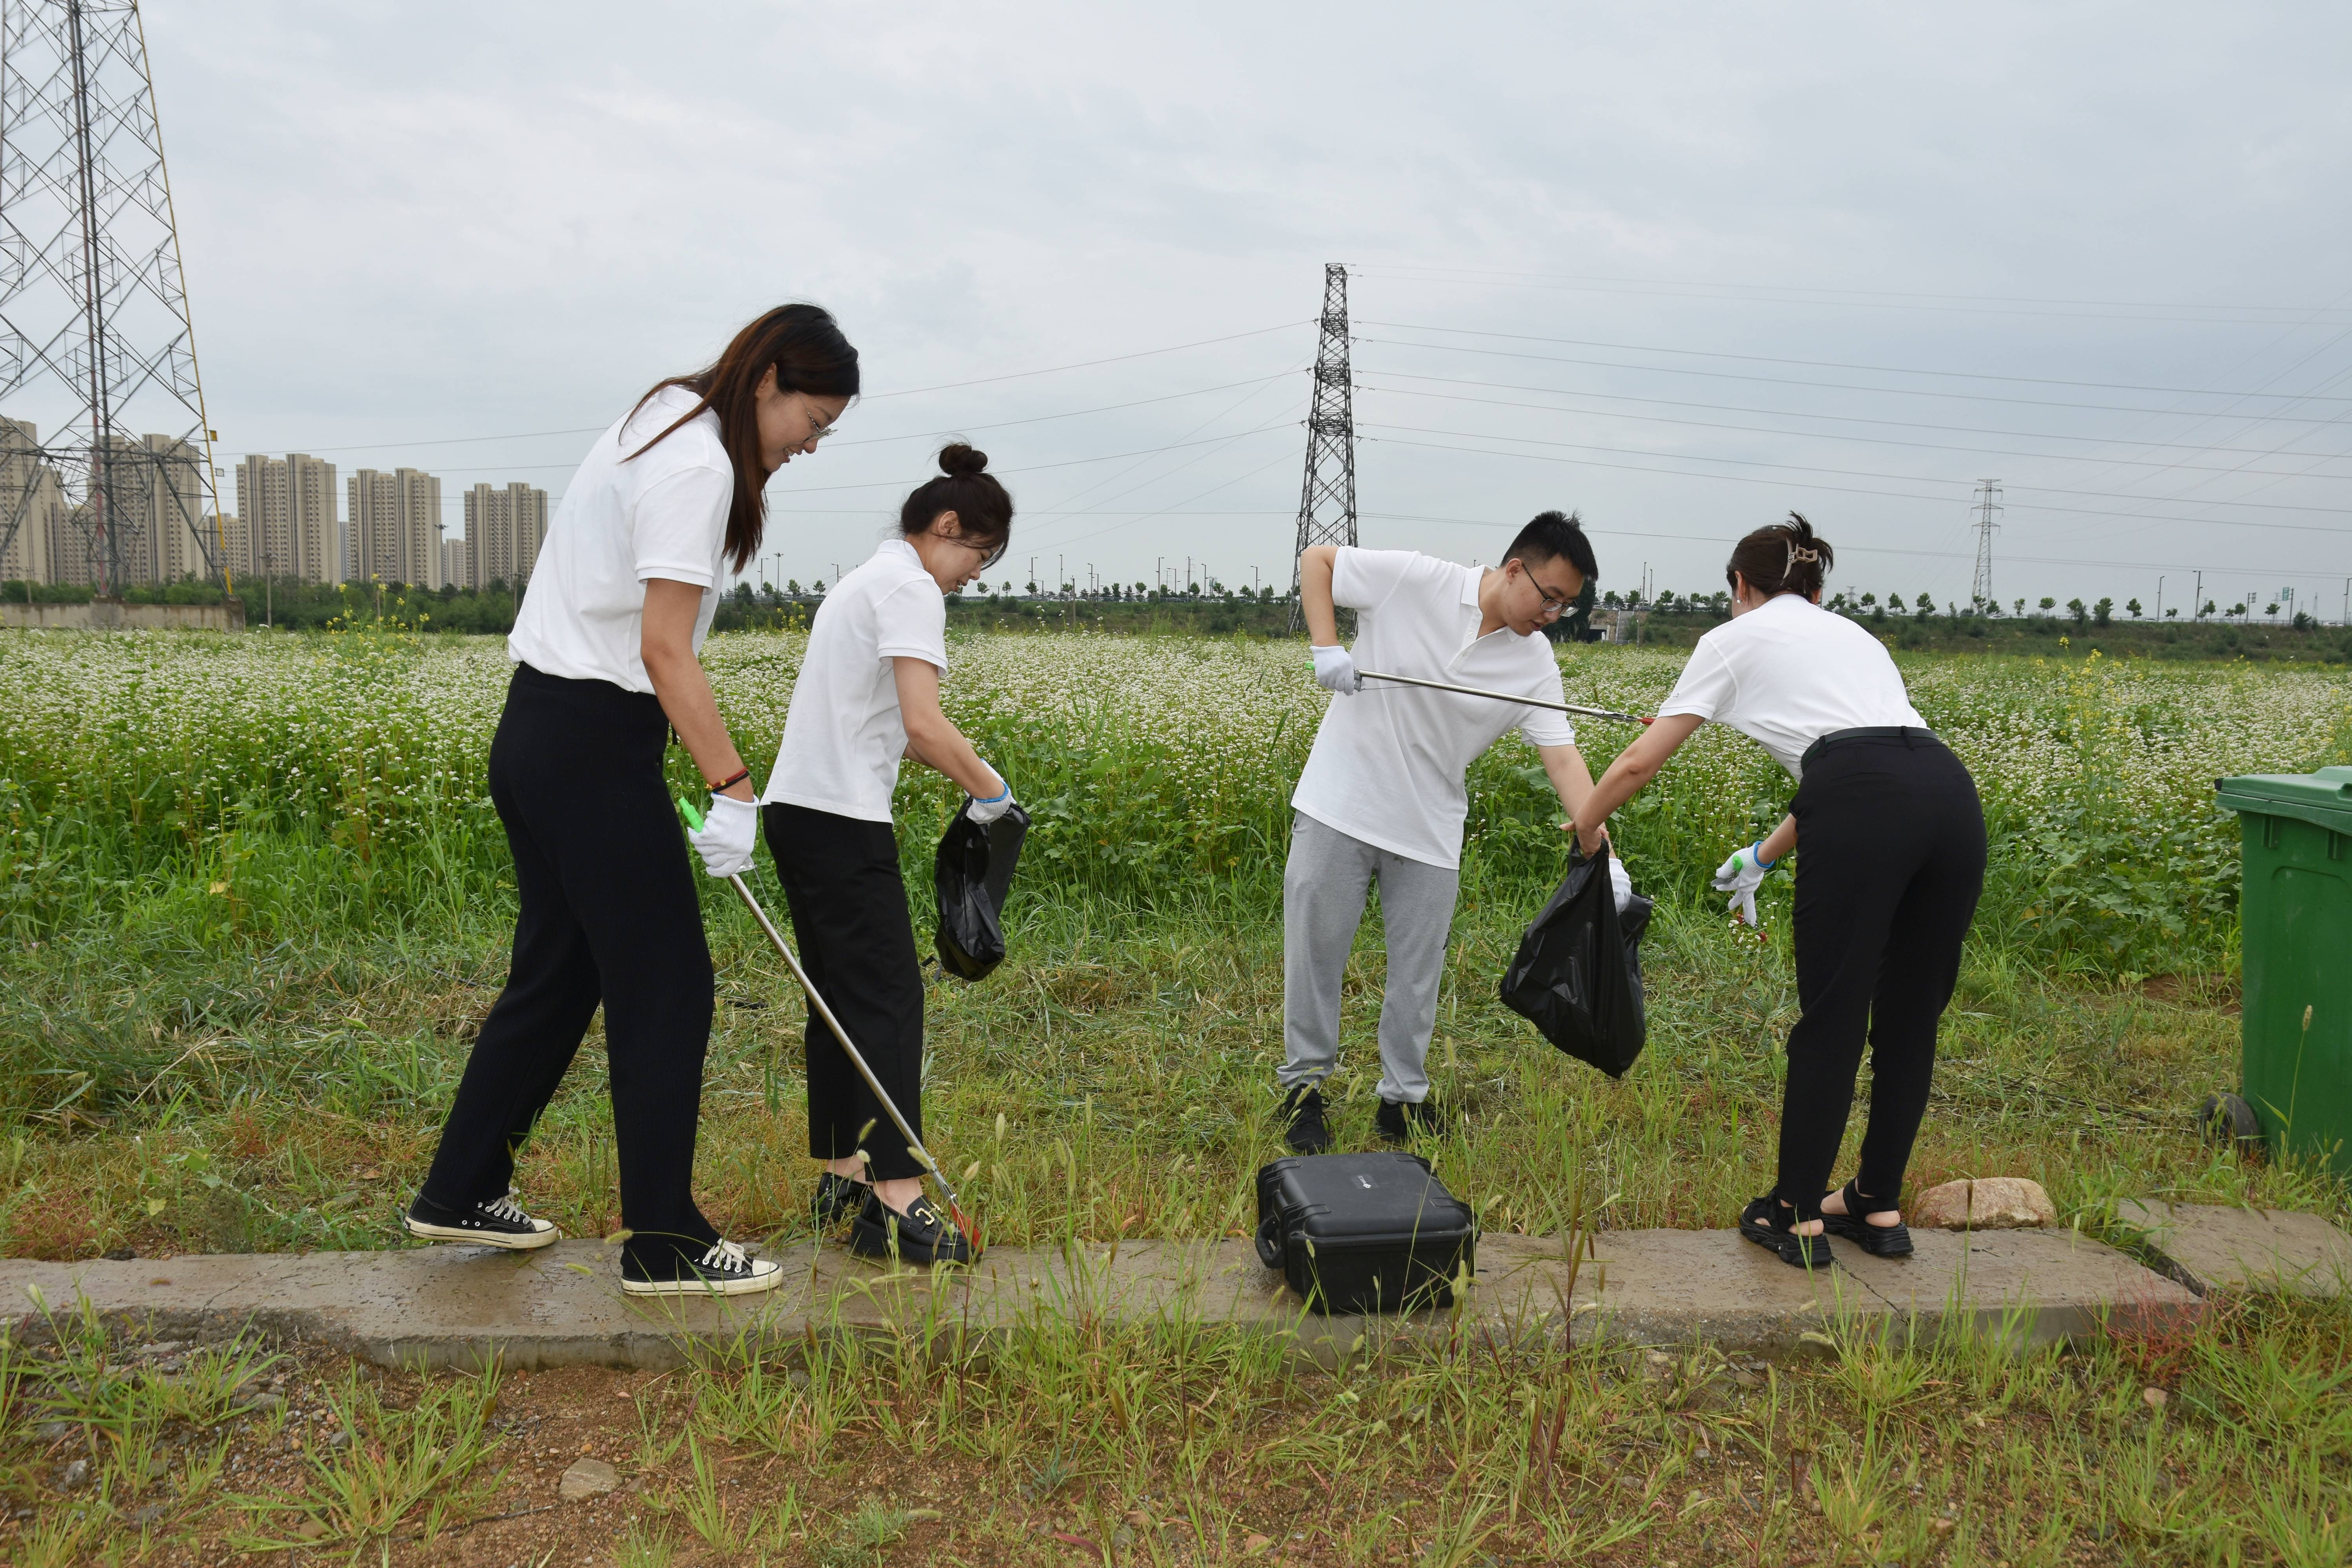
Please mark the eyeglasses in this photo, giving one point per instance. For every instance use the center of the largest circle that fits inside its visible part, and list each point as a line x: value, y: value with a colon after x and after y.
x: 1553, y: 603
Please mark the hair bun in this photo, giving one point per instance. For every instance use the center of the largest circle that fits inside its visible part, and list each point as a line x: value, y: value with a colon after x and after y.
x: 958, y: 461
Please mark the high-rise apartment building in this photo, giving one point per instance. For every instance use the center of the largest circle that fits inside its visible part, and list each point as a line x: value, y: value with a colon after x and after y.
x: 149, y: 492
x: 291, y: 526
x: 506, y: 527
x: 458, y: 564
x: 32, y: 498
x: 155, y: 501
x: 236, y: 549
x: 396, y: 523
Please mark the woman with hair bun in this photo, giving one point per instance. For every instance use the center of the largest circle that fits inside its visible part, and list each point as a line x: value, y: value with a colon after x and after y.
x: 1893, y: 862
x: 868, y: 694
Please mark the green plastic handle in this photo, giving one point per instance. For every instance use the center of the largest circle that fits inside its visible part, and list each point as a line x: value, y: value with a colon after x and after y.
x: 693, y: 817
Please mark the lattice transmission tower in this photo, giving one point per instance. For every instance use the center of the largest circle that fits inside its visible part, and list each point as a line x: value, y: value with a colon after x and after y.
x: 1327, y: 497
x: 1988, y: 503
x: 96, y: 352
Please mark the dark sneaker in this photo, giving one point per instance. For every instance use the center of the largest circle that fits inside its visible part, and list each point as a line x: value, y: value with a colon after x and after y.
x: 499, y: 1222
x: 725, y: 1270
x: 837, y: 1198
x: 921, y: 1234
x: 1398, y: 1121
x: 1302, y: 1120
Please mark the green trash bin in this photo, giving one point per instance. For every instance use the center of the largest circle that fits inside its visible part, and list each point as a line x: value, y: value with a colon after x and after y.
x: 2296, y: 920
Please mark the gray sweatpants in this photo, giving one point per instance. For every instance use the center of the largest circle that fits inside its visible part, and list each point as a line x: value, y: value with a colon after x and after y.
x: 1323, y: 888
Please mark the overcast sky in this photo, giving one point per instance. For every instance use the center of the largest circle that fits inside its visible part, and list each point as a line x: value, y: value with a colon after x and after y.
x: 1679, y: 267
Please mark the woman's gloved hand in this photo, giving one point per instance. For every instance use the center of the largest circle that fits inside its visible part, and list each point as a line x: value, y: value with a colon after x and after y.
x: 725, y: 840
x: 987, y: 811
x: 1740, y: 875
x: 1335, y: 668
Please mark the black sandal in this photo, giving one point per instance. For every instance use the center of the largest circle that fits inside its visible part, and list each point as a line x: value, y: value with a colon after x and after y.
x: 1878, y: 1240
x: 1761, y: 1222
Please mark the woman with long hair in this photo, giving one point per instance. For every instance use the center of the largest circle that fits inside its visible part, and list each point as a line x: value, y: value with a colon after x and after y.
x: 868, y: 694
x: 1893, y: 860
x: 668, y: 504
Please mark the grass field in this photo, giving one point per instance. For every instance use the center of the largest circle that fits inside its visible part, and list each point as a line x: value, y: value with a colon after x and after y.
x: 255, y: 903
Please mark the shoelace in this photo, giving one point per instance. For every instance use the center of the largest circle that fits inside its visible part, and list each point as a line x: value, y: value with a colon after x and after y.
x: 729, y: 1255
x: 507, y: 1209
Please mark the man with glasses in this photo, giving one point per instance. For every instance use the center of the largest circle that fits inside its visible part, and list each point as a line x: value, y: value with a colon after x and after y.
x: 1384, y: 794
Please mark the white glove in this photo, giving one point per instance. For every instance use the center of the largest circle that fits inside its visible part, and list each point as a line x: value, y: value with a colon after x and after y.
x: 1335, y: 667
x: 730, y: 830
x: 987, y: 811
x: 1740, y: 875
x: 1620, y: 883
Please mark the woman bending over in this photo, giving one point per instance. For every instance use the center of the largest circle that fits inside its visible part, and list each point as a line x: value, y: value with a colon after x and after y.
x: 1893, y: 860
x: 868, y: 694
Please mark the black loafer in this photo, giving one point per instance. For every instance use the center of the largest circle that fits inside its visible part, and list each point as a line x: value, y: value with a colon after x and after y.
x: 837, y: 1198
x: 1398, y: 1121
x: 921, y: 1234
x: 1302, y: 1122
x: 1772, y: 1226
x: 1878, y: 1240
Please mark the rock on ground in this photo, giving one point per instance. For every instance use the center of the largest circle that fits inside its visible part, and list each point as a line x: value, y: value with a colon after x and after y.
x: 586, y: 1479
x: 1988, y: 1203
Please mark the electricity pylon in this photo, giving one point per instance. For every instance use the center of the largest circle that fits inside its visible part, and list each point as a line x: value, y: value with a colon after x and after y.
x: 95, y: 339
x: 1988, y: 503
x: 1327, y: 498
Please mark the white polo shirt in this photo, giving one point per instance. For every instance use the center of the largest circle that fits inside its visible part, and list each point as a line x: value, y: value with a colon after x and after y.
x: 844, y: 734
x: 1787, y: 673
x: 1390, y: 763
x: 619, y: 523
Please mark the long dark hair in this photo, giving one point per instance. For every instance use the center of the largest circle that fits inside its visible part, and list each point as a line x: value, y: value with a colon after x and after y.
x: 1782, y: 558
x: 808, y: 353
x: 982, y: 506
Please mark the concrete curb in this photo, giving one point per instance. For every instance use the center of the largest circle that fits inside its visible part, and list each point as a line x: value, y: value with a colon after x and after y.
x: 458, y: 1307
x: 2210, y: 1247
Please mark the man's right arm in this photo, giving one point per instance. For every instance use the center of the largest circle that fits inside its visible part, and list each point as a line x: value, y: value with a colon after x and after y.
x: 1316, y: 564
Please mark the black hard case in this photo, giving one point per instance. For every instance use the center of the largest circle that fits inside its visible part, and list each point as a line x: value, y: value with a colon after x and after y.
x: 1364, y: 1233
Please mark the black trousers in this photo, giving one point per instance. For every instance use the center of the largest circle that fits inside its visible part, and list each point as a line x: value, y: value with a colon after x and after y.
x: 1890, y: 844
x: 608, y: 914
x: 848, y: 905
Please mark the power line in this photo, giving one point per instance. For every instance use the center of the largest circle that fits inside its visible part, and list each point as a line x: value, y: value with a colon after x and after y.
x: 1839, y: 364
x: 1855, y: 303
x: 1843, y: 490
x: 1840, y: 418
x: 868, y: 397
x: 1876, y: 474
x: 1866, y: 293
x: 2302, y: 572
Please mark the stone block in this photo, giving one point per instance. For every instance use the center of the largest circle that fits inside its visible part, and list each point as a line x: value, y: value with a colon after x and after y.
x: 587, y: 1478
x: 1985, y: 1203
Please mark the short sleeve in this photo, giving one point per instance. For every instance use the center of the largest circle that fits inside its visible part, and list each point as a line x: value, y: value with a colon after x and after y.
x: 1706, y: 688
x: 1361, y: 579
x: 1542, y: 726
x: 681, y: 524
x: 911, y: 622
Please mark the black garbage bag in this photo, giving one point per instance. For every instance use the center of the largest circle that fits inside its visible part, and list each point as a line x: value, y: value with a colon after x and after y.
x: 972, y: 876
x: 1578, y: 973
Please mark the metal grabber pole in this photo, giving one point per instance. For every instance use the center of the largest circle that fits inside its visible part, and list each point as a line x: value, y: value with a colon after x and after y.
x: 963, y: 1222
x: 1507, y: 697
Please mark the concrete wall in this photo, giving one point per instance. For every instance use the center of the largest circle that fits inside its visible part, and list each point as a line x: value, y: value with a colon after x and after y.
x: 110, y: 615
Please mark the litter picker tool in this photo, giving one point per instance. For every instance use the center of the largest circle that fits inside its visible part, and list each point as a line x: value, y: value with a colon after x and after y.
x: 1508, y: 697
x: 963, y: 1222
